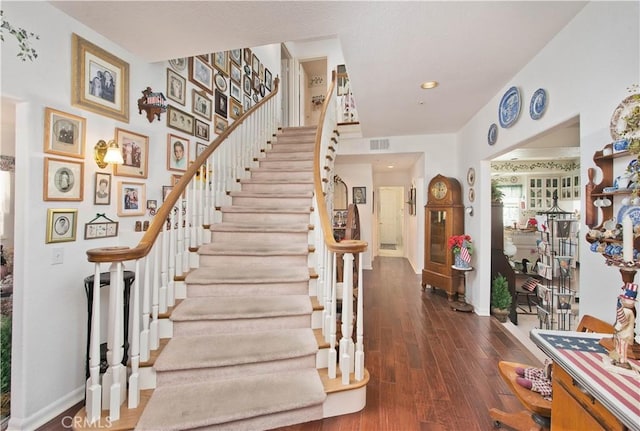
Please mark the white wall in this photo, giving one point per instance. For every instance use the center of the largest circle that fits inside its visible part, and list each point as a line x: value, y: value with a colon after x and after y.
x: 50, y: 311
x: 585, y: 69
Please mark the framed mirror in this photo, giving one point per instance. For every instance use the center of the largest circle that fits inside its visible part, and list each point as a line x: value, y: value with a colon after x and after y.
x: 339, y: 194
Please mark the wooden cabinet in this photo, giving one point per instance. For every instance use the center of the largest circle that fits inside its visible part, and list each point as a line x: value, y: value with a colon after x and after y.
x: 444, y: 217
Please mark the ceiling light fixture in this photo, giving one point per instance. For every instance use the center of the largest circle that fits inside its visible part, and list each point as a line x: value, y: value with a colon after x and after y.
x: 429, y: 84
x: 390, y: 166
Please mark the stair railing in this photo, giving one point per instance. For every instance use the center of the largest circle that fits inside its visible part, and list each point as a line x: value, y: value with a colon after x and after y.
x: 164, y: 255
x: 351, y: 356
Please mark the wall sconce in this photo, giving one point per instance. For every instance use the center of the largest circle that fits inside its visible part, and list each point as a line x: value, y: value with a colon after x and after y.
x: 469, y: 210
x: 107, y: 153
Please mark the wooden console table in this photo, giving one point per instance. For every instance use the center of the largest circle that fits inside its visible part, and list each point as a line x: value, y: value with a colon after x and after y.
x: 586, y: 395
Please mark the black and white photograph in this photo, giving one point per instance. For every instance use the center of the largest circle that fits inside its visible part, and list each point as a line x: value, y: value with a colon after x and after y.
x: 176, y: 87
x: 359, y: 195
x: 180, y: 120
x: 235, y: 73
x: 202, y: 105
x: 235, y: 91
x: 201, y: 73
x: 236, y: 56
x: 221, y: 62
x: 246, y: 84
x: 235, y: 109
x: 64, y: 133
x: 221, y: 104
x: 135, y: 153
x: 202, y: 130
x: 102, y: 191
x: 61, y: 225
x: 63, y: 180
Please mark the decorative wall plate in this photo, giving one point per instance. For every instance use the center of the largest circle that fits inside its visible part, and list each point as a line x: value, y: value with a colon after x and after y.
x: 632, y: 211
x: 492, y: 136
x: 221, y: 82
x: 472, y: 194
x: 471, y: 176
x: 628, y: 109
x: 538, y: 104
x: 509, y: 109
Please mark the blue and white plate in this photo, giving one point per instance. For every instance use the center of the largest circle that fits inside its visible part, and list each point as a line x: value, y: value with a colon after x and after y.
x: 509, y: 109
x: 633, y: 211
x: 492, y: 136
x: 538, y: 104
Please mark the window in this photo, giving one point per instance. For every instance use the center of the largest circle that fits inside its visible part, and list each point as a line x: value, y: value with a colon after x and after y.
x: 511, y: 204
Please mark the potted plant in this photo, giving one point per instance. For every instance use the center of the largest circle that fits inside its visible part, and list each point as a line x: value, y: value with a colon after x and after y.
x: 496, y: 194
x: 500, y: 297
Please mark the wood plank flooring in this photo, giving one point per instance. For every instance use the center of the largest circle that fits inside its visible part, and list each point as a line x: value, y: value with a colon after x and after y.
x: 431, y: 368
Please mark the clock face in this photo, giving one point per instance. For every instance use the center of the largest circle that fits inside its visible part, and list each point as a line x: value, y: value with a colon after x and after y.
x: 439, y: 190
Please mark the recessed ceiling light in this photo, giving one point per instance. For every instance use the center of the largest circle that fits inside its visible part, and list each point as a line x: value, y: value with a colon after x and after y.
x: 390, y: 166
x: 429, y: 84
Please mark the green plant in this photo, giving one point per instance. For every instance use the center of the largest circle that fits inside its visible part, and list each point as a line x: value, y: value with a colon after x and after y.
x: 496, y: 193
x: 27, y: 52
x: 5, y: 354
x: 500, y: 295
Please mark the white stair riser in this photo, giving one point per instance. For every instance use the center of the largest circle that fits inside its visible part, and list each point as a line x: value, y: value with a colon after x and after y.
x: 288, y: 155
x: 286, y: 164
x: 258, y: 236
x: 267, y: 218
x: 284, y: 146
x: 242, y: 370
x: 271, y: 202
x: 261, y: 289
x: 283, y: 187
x: 208, y: 327
x: 281, y: 175
x: 282, y: 260
x: 344, y: 402
x: 316, y: 319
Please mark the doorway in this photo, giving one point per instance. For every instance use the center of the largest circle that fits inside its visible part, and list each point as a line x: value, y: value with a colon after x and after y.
x: 391, y: 221
x: 313, y: 89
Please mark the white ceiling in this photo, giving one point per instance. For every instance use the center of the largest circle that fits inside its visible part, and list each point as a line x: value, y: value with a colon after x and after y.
x: 390, y: 47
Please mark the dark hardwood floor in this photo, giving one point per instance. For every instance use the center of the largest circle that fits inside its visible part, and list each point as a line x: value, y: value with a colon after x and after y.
x: 431, y: 368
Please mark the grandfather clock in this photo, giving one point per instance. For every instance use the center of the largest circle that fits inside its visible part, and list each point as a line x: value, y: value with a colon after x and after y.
x: 444, y: 217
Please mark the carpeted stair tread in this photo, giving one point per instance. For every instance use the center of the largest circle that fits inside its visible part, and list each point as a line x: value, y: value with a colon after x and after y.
x: 272, y: 248
x: 265, y: 210
x: 244, y: 273
x: 205, y: 404
x: 241, y: 307
x: 264, y: 227
x: 223, y: 350
x: 272, y: 195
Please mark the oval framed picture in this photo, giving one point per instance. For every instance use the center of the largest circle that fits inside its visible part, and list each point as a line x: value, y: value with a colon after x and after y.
x: 179, y: 64
x: 471, y: 176
x: 472, y: 194
x: 492, y: 136
x: 221, y: 82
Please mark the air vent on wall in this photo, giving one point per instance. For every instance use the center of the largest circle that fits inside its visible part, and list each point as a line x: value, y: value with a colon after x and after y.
x: 379, y: 144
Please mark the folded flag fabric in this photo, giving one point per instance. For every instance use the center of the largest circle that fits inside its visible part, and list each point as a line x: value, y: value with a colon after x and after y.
x: 530, y: 284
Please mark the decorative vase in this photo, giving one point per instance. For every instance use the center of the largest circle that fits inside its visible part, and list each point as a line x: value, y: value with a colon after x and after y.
x: 459, y: 262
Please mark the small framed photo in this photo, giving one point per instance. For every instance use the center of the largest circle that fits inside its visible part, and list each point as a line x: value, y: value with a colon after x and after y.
x: 221, y: 61
x: 200, y: 147
x: 152, y: 204
x: 235, y: 73
x: 165, y: 192
x: 179, y: 64
x: 247, y: 55
x: 255, y: 64
x: 63, y: 180
x: 99, y: 80
x: 135, y: 152
x: 235, y: 109
x: 236, y: 56
x: 359, y: 195
x: 101, y: 230
x: 268, y: 79
x: 179, y: 120
x: 235, y: 91
x: 201, y: 73
x: 202, y: 105
x: 61, y: 225
x: 177, y: 153
x: 176, y: 87
x: 221, y: 104
x: 220, y: 124
x: 202, y: 130
x: 256, y: 82
x: 246, y: 103
x: 130, y: 198
x: 64, y: 134
x: 246, y: 84
x: 102, y: 190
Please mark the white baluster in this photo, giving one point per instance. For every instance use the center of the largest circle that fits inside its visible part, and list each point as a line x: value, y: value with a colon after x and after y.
x: 154, y: 333
x: 346, y: 316
x: 134, y: 378
x: 333, y: 324
x: 93, y: 403
x: 146, y: 318
x: 359, y: 359
x: 179, y: 239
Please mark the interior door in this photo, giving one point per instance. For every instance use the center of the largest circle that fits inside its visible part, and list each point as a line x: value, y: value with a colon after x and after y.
x: 390, y: 220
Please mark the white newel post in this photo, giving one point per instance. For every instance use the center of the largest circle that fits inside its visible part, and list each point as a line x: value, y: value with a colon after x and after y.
x: 359, y: 360
x: 93, y: 390
x: 114, y: 379
x: 346, y: 343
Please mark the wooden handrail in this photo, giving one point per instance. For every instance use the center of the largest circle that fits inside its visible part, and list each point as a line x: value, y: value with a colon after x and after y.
x: 345, y: 246
x: 121, y: 254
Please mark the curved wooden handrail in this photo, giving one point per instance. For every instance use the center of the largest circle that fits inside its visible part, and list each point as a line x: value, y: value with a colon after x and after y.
x: 121, y: 254
x: 345, y: 246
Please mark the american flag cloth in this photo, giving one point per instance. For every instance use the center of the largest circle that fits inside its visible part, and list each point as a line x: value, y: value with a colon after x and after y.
x: 464, y: 254
x: 620, y: 391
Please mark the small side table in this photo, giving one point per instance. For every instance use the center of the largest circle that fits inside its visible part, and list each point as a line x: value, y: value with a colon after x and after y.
x: 461, y: 303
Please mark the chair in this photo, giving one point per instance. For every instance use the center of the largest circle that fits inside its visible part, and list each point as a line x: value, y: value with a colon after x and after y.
x: 537, y: 415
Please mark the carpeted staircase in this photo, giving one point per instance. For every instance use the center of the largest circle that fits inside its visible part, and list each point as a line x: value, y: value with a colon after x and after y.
x: 243, y: 352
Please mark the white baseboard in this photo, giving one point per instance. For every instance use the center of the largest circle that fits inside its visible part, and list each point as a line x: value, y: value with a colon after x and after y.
x: 49, y: 412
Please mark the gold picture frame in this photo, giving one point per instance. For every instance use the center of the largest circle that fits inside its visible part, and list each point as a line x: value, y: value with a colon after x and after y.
x: 64, y: 133
x: 99, y: 80
x: 135, y: 153
x: 61, y: 225
x: 130, y: 199
x: 63, y: 180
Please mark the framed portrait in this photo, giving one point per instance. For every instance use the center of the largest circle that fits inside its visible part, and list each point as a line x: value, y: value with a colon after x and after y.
x: 176, y: 87
x: 102, y: 189
x: 256, y: 81
x: 61, y: 225
x: 63, y: 180
x: 359, y: 195
x: 179, y: 64
x: 177, y: 153
x: 268, y: 79
x: 235, y: 92
x: 205, y: 57
x: 201, y: 104
x: 221, y: 104
x: 255, y: 63
x: 152, y: 204
x: 247, y: 55
x: 130, y: 199
x: 100, y: 80
x: 235, y: 109
x: 261, y: 72
x: 221, y: 61
x: 202, y: 130
x: 101, y: 230
x: 220, y: 124
x: 200, y: 147
x: 235, y: 73
x: 236, y: 56
x: 179, y: 120
x: 64, y: 134
x: 135, y: 153
x: 201, y: 73
x: 246, y: 103
x: 165, y: 192
x: 246, y: 84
